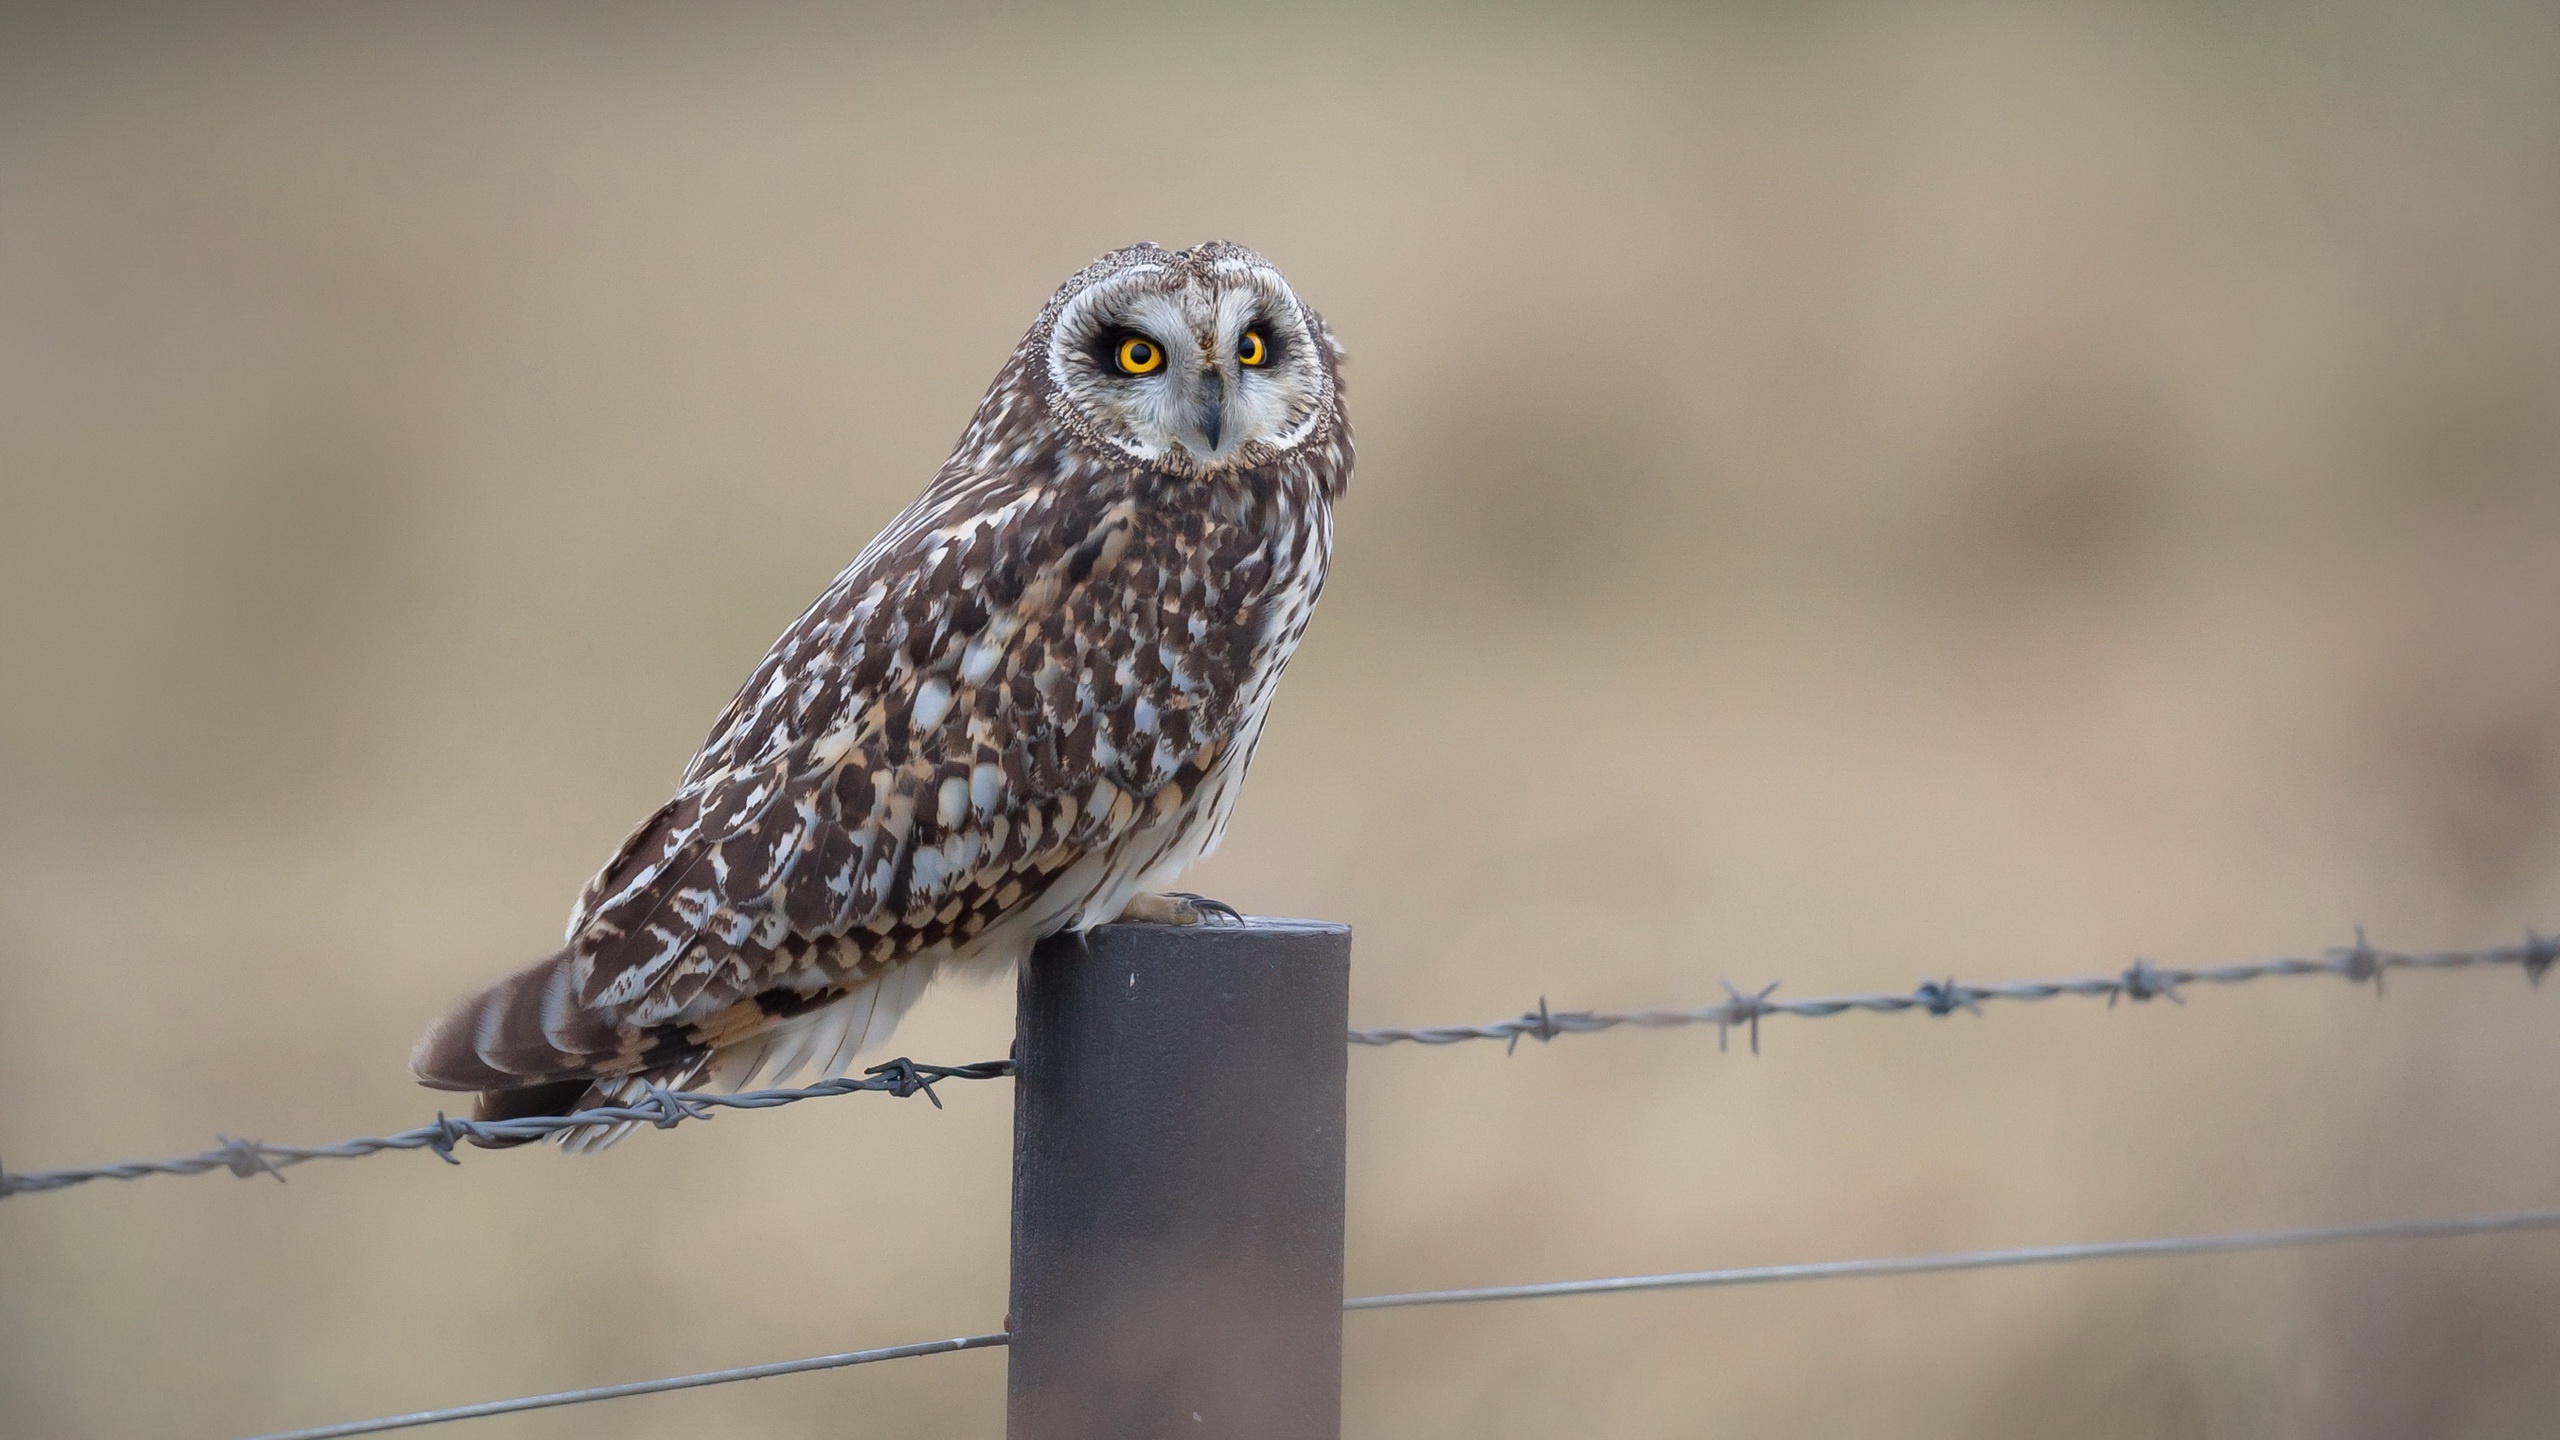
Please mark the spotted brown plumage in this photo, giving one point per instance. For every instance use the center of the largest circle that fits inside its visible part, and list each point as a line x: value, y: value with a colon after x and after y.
x: 1032, y: 698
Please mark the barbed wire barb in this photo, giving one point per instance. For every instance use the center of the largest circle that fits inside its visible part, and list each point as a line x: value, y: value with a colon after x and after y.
x: 1742, y: 1010
x: 246, y: 1158
x: 443, y: 1135
x: 2145, y: 981
x: 2539, y: 952
x: 1946, y: 997
x: 2362, y: 962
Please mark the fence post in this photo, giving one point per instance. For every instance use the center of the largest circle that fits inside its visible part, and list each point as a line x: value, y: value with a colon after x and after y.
x: 1177, y: 1184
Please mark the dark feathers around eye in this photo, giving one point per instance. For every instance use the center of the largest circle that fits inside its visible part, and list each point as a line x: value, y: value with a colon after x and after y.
x: 1105, y: 350
x: 1276, y: 341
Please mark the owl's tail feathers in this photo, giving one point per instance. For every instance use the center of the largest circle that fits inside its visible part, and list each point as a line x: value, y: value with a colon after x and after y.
x: 530, y: 1049
x: 826, y: 1039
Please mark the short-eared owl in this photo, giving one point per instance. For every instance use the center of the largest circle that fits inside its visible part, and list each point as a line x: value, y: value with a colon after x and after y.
x: 1024, y: 708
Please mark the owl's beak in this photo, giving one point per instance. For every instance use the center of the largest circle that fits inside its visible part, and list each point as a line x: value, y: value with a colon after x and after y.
x: 1210, y: 409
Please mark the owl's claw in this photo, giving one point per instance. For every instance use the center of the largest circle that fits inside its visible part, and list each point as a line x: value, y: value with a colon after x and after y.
x: 1176, y: 907
x: 1208, y: 908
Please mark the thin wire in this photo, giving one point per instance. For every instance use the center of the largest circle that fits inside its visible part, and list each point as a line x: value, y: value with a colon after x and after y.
x: 2142, y: 980
x: 1980, y: 1259
x: 642, y: 1387
x: 1696, y: 1279
x: 660, y: 1107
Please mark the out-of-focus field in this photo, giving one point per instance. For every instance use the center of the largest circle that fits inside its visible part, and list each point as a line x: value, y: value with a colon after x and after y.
x: 1847, y: 494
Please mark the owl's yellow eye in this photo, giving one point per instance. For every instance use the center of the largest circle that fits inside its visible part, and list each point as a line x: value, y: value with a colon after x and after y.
x: 1250, y: 349
x: 1138, y: 355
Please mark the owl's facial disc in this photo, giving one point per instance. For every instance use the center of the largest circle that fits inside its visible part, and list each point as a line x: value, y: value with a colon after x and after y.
x: 1198, y: 371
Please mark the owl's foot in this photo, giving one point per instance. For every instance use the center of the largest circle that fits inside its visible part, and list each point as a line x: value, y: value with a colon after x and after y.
x: 1176, y: 907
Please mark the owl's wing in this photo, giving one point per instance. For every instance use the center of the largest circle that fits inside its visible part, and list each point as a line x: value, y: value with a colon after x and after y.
x: 974, y: 705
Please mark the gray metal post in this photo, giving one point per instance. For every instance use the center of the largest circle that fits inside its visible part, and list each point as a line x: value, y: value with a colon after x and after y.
x: 1177, y: 1184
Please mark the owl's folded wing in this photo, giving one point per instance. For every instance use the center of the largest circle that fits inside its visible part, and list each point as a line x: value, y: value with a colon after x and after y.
x: 960, y: 718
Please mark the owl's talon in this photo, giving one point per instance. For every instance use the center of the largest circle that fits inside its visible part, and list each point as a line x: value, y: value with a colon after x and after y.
x: 1208, y: 909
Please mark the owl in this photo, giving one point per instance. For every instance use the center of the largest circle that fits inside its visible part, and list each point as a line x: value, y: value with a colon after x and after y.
x: 1025, y: 707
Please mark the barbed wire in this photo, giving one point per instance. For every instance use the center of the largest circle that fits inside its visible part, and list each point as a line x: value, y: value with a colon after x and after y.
x: 2142, y: 980
x: 660, y: 1107
x: 2441, y: 1228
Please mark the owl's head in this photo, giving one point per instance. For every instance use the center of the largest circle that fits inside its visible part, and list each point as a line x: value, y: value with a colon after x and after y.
x: 1187, y: 360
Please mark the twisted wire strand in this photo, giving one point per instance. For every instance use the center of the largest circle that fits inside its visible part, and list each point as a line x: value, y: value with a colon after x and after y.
x: 2142, y: 980
x: 2440, y: 1228
x: 659, y: 1107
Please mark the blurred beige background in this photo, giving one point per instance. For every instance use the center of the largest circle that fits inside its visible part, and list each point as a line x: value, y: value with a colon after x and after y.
x: 1848, y: 494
